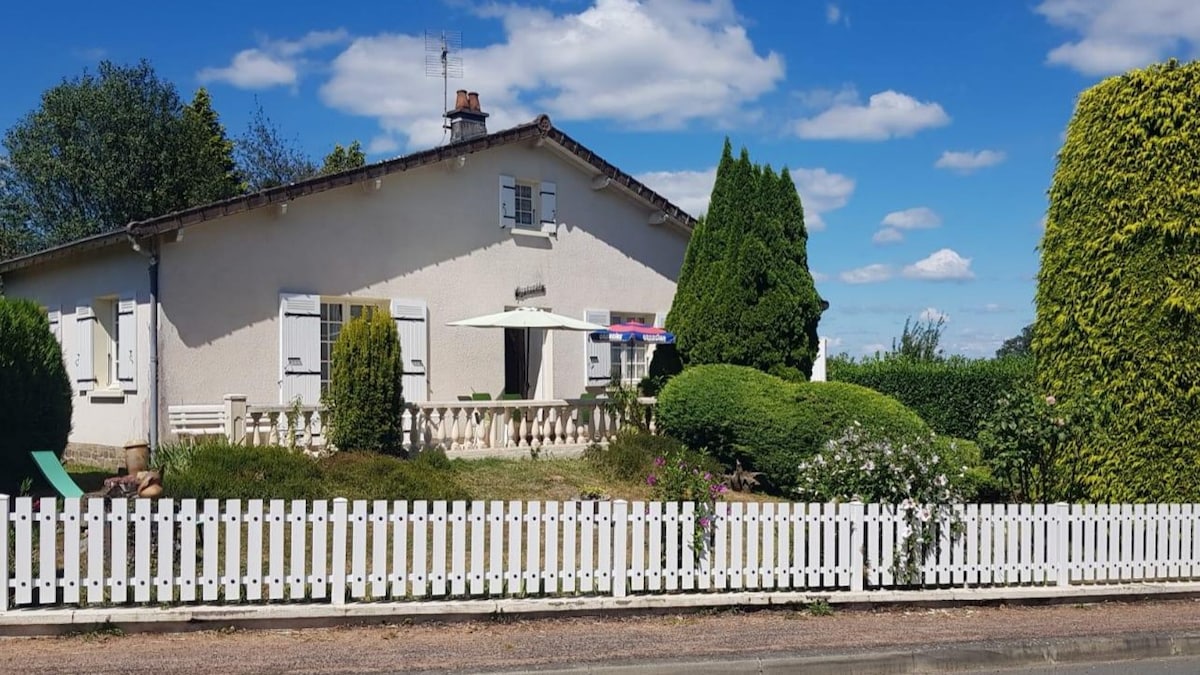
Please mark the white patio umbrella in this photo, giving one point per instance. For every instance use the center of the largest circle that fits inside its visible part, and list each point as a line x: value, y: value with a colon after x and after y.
x: 526, y: 318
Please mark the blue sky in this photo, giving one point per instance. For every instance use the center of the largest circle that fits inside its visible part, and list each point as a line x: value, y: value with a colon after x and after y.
x: 922, y: 134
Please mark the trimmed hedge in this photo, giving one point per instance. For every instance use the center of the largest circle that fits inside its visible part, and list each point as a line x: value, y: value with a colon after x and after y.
x: 35, y: 392
x: 1118, y: 293
x: 953, y: 396
x: 770, y: 425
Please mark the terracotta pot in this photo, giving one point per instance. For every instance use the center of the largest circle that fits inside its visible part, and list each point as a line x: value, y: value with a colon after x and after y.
x: 137, y: 457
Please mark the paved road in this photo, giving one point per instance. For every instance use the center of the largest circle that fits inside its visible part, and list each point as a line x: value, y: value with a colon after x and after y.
x: 723, y: 638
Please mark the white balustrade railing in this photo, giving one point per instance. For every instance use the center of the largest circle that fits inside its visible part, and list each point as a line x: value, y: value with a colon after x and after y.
x: 451, y: 425
x: 99, y: 552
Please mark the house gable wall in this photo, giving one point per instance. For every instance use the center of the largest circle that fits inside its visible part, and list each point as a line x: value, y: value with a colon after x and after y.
x: 433, y: 234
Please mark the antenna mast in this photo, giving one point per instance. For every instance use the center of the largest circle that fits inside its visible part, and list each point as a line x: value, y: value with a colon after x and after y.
x: 442, y: 60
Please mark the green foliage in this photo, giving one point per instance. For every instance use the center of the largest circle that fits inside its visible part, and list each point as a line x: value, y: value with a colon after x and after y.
x: 679, y: 477
x: 630, y: 456
x: 953, y: 396
x: 35, y: 392
x: 369, y: 475
x: 1025, y: 442
x: 219, y: 470
x: 365, y: 401
x: 771, y: 425
x: 344, y: 159
x: 918, y: 478
x: 1017, y: 346
x: 919, y: 341
x: 107, y: 148
x: 664, y: 365
x: 267, y: 159
x: 745, y: 295
x: 1118, y: 295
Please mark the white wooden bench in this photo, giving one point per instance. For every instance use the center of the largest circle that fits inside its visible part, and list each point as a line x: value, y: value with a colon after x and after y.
x: 196, y: 421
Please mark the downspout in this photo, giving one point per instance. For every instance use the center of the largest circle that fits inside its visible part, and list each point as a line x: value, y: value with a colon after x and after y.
x: 152, y: 255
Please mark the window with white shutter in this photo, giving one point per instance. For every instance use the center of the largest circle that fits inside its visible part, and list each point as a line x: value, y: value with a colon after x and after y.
x: 54, y: 317
x: 597, y: 355
x: 549, y: 213
x: 125, y: 345
x: 508, y: 202
x: 83, y: 363
x: 299, y: 348
x: 412, y: 325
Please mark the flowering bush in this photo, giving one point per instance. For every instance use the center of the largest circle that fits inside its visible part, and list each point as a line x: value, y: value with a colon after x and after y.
x: 922, y: 483
x: 1024, y: 440
x: 678, y: 477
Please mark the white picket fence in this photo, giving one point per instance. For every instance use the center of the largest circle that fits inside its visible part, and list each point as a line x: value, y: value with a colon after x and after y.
x: 91, y: 552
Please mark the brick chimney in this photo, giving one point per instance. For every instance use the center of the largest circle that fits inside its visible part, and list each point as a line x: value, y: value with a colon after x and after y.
x: 467, y: 120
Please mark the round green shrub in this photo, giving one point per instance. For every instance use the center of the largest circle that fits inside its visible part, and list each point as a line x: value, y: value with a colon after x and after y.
x: 741, y: 414
x: 35, y: 392
x: 821, y: 412
x: 1118, y: 292
x: 365, y: 402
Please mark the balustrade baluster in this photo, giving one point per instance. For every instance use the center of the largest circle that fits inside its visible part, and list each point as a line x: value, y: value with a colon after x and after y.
x: 572, y: 432
x: 558, y: 425
x: 523, y: 428
x: 307, y: 441
x: 273, y: 434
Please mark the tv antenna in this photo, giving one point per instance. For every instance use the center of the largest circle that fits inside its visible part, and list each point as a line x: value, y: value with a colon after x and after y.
x: 442, y: 60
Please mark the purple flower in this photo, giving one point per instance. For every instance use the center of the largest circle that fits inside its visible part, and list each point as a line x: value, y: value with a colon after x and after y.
x: 659, y: 461
x: 651, y: 480
x: 707, y: 476
x: 705, y: 521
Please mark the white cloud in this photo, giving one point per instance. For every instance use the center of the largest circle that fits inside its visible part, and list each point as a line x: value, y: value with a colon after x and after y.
x: 888, y: 235
x: 692, y: 58
x: 874, y: 347
x: 819, y: 99
x: 273, y: 63
x: 933, y: 315
x: 967, y: 162
x: 917, y: 218
x: 888, y: 114
x: 819, y: 276
x: 820, y: 190
x: 833, y: 13
x: 382, y: 144
x: 869, y: 274
x: 945, y: 264
x: 1116, y: 35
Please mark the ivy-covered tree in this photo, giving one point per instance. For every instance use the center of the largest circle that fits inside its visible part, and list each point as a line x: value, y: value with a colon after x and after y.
x: 107, y: 148
x: 745, y: 295
x: 1118, y: 294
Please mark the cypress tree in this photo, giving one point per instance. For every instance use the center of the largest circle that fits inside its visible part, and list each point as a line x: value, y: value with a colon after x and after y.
x: 1118, y: 293
x: 745, y: 295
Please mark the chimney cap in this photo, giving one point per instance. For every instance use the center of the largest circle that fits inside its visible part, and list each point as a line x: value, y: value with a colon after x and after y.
x: 473, y: 101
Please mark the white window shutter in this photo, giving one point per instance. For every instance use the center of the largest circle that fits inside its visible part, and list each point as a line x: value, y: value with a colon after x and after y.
x: 85, y: 339
x: 660, y: 319
x: 549, y: 206
x: 126, y: 346
x: 412, y: 325
x: 508, y: 202
x: 299, y: 348
x: 597, y: 355
x: 54, y: 316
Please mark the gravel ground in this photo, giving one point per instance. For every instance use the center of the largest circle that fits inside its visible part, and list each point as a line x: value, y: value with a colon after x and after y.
x: 520, y: 645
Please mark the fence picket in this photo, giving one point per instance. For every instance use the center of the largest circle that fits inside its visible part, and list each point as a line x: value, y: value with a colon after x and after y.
x: 254, y: 549
x: 720, y: 529
x: 5, y: 541
x: 1174, y: 541
x: 420, y: 536
x: 297, y: 579
x: 276, y: 527
x: 550, y: 550
x: 23, y: 552
x: 47, y: 581
x: 568, y: 574
x: 655, y: 557
x: 843, y: 527
x: 458, y: 552
x: 620, y: 539
x: 437, y: 572
x: 319, y: 517
x: 478, y: 518
x: 736, y: 522
x: 783, y: 572
x: 496, y: 579
x: 71, y: 540
x: 604, y: 547
x: 337, y: 572
x: 233, y: 579
x: 637, y: 563
x: 118, y: 575
x: 750, y: 571
x: 696, y: 564
x: 96, y: 578
x: 533, y: 539
x: 670, y: 525
x: 400, y: 520
x: 767, y: 528
x: 887, y: 545
x: 512, y: 575
x: 164, y: 566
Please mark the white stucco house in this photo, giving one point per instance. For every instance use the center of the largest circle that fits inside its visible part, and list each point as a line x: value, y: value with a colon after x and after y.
x: 246, y: 296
